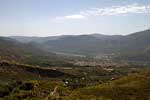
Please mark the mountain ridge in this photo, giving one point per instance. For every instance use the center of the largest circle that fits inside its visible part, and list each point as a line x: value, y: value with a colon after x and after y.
x: 120, y: 46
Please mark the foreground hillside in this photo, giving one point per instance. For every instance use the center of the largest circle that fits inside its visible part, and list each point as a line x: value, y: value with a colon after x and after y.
x: 131, y: 87
x: 19, y: 81
x: 24, y: 82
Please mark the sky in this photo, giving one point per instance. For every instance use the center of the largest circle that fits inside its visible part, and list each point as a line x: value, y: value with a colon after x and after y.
x: 73, y: 17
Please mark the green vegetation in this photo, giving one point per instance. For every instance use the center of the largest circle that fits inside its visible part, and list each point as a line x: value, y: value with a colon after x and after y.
x: 132, y: 87
x: 24, y: 82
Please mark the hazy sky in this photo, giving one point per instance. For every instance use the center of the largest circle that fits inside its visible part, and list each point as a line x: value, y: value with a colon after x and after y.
x: 59, y: 17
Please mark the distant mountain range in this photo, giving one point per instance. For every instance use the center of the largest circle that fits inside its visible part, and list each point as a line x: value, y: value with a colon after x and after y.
x: 133, y: 46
